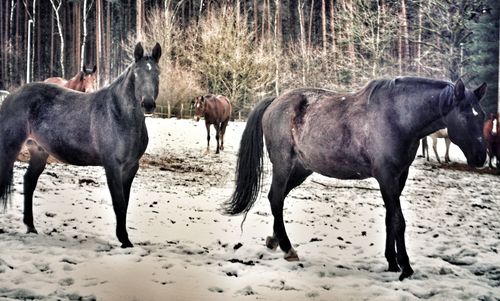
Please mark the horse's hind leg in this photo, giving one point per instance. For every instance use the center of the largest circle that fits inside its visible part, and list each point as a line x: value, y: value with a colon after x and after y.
x: 217, y: 136
x: 222, y: 133
x: 283, y: 182
x: 434, y: 147
x: 447, y: 155
x: 38, y: 160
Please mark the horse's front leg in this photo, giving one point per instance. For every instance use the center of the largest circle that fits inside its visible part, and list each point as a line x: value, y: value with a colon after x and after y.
x: 207, y: 125
x: 391, y: 187
x: 128, y: 178
x: 115, y: 179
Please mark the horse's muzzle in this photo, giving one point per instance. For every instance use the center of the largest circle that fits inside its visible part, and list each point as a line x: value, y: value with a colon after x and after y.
x: 148, y: 106
x: 477, y: 160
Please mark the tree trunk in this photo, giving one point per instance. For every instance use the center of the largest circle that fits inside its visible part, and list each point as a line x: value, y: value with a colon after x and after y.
x: 107, y: 53
x: 277, y: 44
x: 138, y: 16
x: 52, y: 43
x: 300, y: 8
x: 255, y: 19
x: 403, y: 39
x: 323, y: 25
x: 77, y: 11
x: 33, y: 41
x: 98, y: 32
x: 61, y: 36
x: 311, y: 21
x: 84, y: 38
x: 332, y: 29
x: 419, y: 41
x: 347, y: 6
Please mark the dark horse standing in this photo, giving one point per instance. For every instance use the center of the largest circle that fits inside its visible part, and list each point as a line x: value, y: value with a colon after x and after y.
x: 216, y: 110
x: 106, y: 128
x: 371, y: 133
x: 83, y: 81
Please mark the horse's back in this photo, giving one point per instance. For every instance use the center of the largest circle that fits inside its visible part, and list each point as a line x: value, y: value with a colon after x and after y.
x: 56, y: 81
x: 226, y: 105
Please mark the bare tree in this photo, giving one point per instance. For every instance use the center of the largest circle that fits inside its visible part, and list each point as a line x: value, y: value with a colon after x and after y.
x: 56, y: 5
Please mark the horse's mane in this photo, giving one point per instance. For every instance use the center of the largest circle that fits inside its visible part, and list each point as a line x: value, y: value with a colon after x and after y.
x: 396, y: 85
x: 121, y: 78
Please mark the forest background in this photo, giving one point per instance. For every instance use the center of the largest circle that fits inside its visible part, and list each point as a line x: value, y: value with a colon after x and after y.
x: 248, y: 50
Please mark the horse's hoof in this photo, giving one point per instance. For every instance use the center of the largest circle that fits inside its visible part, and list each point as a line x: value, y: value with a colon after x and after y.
x: 393, y: 268
x: 31, y: 230
x: 271, y: 243
x: 407, y: 272
x: 291, y: 255
x: 127, y: 244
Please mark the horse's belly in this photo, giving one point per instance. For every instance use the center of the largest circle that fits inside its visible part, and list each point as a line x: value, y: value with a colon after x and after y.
x: 349, y: 171
x: 74, y: 153
x: 335, y: 162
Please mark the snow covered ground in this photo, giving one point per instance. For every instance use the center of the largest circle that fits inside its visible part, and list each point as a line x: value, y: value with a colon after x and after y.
x: 185, y: 249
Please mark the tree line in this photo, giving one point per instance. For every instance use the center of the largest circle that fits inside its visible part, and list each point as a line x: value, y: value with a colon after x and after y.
x: 254, y: 48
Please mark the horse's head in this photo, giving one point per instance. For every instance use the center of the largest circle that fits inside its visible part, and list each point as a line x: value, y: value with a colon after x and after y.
x: 199, y: 107
x: 465, y: 123
x: 146, y: 74
x: 88, y: 79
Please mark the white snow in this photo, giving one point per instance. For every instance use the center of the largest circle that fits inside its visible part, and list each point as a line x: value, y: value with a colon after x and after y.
x: 184, y: 247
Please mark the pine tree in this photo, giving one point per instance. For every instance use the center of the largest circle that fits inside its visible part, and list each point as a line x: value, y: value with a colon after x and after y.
x: 483, y: 52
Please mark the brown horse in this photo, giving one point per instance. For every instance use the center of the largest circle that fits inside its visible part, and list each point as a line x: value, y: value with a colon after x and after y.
x: 492, y: 138
x: 217, y: 111
x: 83, y: 81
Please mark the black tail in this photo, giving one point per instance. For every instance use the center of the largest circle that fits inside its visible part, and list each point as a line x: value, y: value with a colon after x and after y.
x: 250, y: 163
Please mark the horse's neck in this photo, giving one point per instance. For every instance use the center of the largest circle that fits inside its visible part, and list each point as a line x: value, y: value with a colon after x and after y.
x: 429, y: 112
x: 75, y: 83
x: 124, y: 98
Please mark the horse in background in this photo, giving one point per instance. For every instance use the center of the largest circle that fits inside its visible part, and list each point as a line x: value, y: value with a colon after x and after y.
x: 492, y: 136
x: 84, y: 81
x: 217, y: 111
x: 373, y: 132
x: 106, y: 128
x: 441, y: 134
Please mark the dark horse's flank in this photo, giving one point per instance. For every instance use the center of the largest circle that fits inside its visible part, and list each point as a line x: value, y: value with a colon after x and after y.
x: 83, y: 81
x: 371, y: 133
x: 216, y: 110
x: 106, y: 128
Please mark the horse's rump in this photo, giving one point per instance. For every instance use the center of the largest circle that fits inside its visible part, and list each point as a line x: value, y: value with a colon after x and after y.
x: 217, y: 108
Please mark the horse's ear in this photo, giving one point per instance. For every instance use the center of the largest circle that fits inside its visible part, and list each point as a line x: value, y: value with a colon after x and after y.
x: 157, y: 52
x: 138, y: 52
x: 479, y: 92
x: 94, y: 69
x: 459, y: 89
